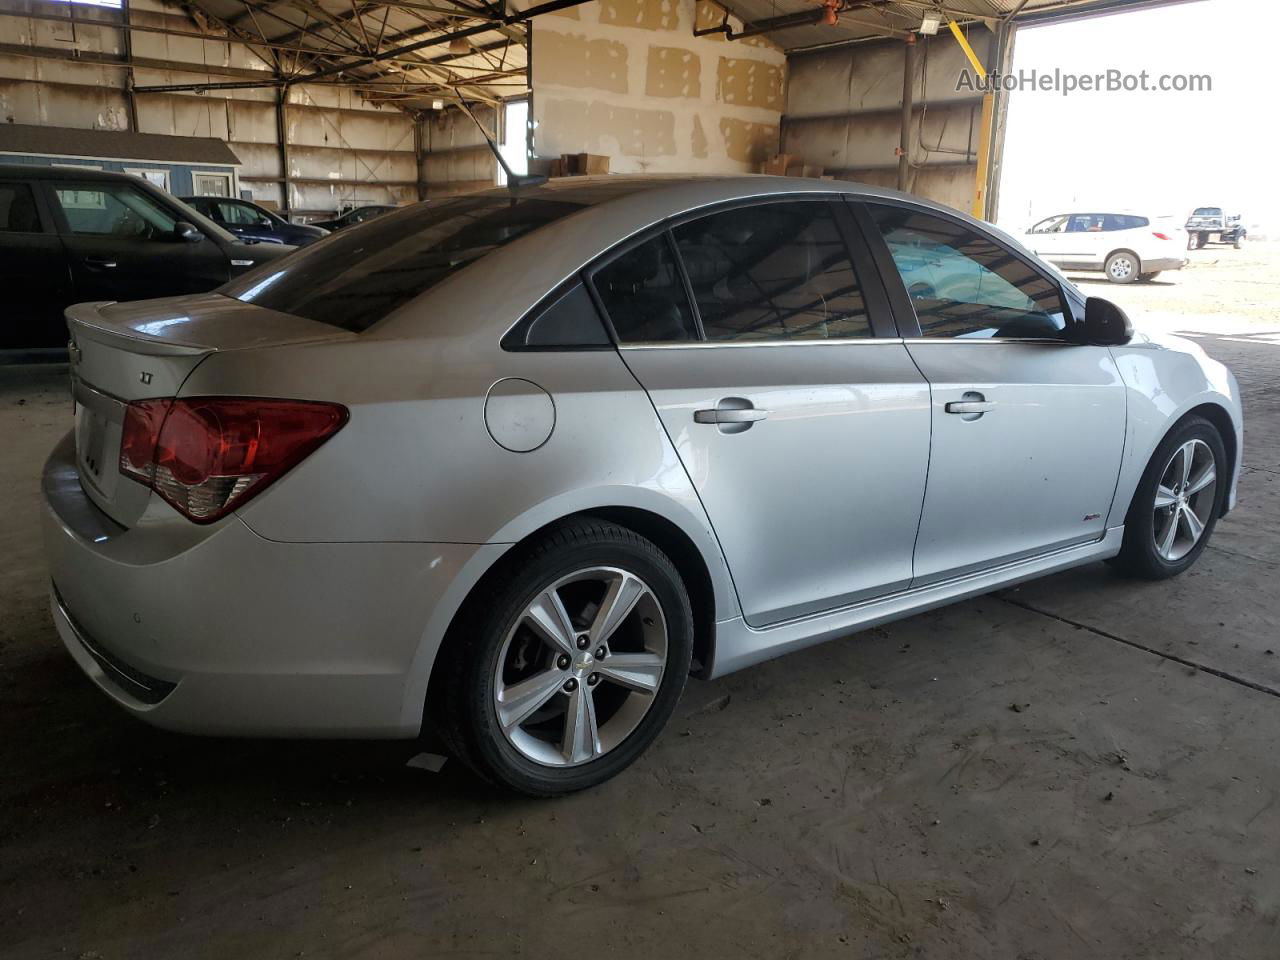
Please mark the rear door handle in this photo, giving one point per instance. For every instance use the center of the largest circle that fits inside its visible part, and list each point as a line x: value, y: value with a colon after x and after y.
x: 729, y: 416
x: 970, y: 406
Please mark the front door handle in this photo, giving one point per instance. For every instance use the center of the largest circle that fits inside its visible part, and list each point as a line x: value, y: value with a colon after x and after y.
x: 103, y: 262
x: 729, y: 416
x: 970, y: 406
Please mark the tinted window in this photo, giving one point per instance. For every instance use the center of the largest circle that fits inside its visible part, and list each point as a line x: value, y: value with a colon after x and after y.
x: 357, y: 278
x: 777, y: 271
x: 113, y: 210
x: 1124, y: 221
x: 569, y: 320
x: 644, y: 295
x: 1207, y: 212
x: 18, y: 212
x: 1085, y: 223
x: 963, y: 284
x: 238, y: 214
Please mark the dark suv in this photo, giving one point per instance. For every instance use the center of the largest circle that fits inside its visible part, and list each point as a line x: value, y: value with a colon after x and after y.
x: 251, y: 222
x: 69, y: 235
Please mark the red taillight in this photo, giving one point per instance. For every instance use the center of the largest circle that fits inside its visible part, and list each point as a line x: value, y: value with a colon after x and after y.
x: 208, y: 455
x: 1161, y: 236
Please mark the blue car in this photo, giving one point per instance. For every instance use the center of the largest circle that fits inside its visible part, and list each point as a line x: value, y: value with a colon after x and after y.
x: 251, y: 222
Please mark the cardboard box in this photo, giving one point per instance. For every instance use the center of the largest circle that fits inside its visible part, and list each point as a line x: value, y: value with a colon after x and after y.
x: 778, y: 165
x: 584, y: 164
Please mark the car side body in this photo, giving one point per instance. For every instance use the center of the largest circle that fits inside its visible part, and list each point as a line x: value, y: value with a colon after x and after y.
x: 1100, y: 241
x: 250, y: 221
x: 70, y: 234
x: 860, y: 499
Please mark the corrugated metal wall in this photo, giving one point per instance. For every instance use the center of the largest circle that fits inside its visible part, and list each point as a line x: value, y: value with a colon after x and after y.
x: 843, y: 113
x: 64, y: 72
x: 456, y: 158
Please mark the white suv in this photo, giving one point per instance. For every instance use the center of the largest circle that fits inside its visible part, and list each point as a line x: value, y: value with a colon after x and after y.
x: 1124, y: 246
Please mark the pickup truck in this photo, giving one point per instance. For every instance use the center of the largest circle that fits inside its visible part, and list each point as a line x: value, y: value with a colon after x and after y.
x: 1207, y: 222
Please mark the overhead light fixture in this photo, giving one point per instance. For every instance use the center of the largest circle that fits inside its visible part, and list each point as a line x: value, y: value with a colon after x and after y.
x: 930, y: 23
x: 459, y: 45
x: 437, y: 104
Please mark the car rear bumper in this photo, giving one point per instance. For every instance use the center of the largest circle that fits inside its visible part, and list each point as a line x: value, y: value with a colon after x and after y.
x: 217, y: 630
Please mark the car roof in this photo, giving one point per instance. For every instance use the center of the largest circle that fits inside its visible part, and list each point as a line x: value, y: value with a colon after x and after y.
x: 614, y: 208
x: 30, y: 171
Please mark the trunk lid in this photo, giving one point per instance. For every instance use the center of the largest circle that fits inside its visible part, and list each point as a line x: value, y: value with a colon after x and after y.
x: 137, y: 351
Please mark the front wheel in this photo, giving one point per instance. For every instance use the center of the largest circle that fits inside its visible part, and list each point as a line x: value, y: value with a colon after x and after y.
x: 570, y: 669
x: 1122, y: 267
x: 1176, y: 505
x: 1239, y: 241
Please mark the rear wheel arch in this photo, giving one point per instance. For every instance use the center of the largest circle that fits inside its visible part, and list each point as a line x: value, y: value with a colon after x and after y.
x: 663, y: 533
x: 1137, y: 260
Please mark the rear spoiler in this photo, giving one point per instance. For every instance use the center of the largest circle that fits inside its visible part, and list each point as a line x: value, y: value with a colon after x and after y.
x: 193, y: 325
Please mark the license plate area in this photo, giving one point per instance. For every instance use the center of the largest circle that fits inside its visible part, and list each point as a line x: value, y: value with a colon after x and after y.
x: 99, y: 418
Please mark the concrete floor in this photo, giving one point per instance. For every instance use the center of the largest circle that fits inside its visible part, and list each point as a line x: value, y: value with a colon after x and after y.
x: 1083, y: 767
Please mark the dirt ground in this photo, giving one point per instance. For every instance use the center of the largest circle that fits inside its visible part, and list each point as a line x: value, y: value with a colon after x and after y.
x: 1082, y: 767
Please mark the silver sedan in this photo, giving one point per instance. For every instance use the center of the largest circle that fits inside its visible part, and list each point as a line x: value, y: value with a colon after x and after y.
x: 514, y: 465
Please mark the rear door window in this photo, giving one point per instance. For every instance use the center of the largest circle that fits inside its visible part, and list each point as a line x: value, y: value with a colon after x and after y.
x: 773, y: 271
x: 1124, y: 221
x: 357, y: 278
x: 18, y: 212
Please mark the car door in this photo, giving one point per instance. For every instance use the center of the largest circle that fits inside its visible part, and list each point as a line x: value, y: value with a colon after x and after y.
x: 1048, y: 238
x: 767, y: 347
x: 123, y: 244
x: 245, y: 221
x: 1028, y: 427
x: 1084, y: 244
x: 33, y: 270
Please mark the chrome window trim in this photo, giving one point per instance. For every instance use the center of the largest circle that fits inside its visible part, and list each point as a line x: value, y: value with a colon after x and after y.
x: 738, y: 344
x: 1047, y: 341
x: 867, y: 341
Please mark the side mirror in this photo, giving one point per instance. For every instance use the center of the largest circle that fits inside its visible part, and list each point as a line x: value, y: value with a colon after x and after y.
x: 1105, y: 324
x: 187, y: 232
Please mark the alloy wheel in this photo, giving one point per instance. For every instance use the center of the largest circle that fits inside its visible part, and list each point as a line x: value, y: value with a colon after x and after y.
x: 1185, y: 498
x: 1121, y: 268
x: 581, y: 667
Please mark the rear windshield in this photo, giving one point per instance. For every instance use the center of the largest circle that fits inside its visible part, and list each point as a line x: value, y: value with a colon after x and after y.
x: 362, y: 274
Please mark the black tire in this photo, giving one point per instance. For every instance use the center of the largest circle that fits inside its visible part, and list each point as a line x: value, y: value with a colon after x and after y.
x: 1148, y: 277
x: 1123, y: 266
x: 464, y: 709
x: 1138, y: 555
x: 1238, y: 242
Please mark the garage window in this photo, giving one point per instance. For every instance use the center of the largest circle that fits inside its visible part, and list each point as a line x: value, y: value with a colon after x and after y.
x: 360, y: 276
